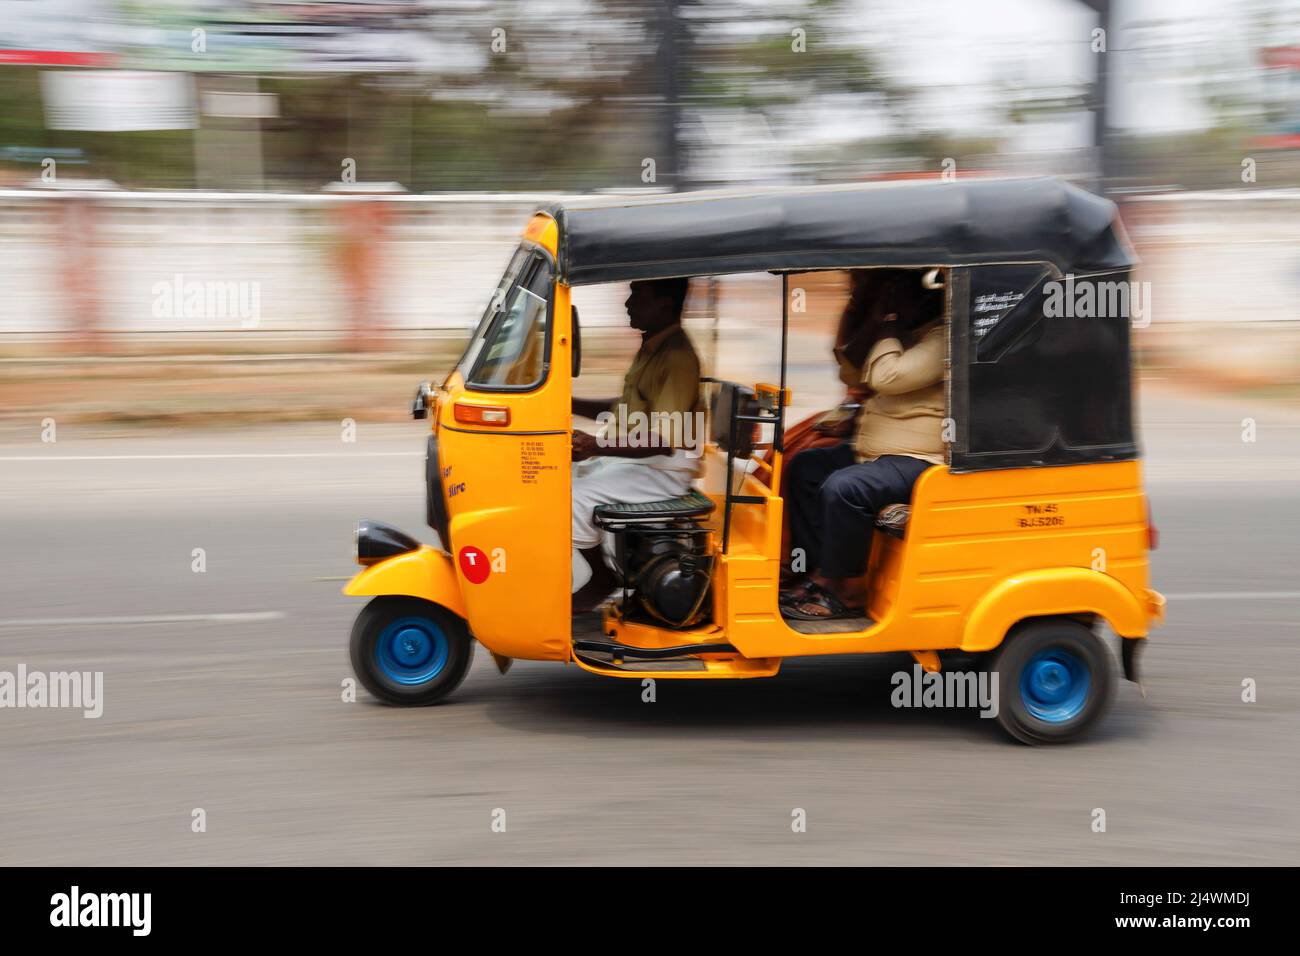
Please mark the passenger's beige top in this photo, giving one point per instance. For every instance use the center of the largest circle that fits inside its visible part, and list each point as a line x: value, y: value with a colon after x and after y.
x: 905, y: 415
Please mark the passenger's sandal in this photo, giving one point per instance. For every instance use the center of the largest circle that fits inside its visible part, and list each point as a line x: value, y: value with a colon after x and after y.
x: 820, y: 597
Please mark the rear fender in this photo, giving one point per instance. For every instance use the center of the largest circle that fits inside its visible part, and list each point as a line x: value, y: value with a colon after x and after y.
x: 1049, y: 592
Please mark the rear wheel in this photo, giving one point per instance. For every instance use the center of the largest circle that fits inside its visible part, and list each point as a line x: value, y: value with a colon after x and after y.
x: 1055, y: 680
x: 410, y: 652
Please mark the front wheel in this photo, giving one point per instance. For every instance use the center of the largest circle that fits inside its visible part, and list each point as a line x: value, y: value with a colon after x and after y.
x: 1054, y: 681
x: 410, y: 652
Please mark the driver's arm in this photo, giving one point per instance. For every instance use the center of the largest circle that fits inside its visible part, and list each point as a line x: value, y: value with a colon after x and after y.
x: 591, y: 407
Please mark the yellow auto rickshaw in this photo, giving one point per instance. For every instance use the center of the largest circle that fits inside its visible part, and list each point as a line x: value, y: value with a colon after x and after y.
x: 1021, y: 550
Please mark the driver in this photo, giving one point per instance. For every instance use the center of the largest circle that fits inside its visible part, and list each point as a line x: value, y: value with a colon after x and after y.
x: 645, y: 450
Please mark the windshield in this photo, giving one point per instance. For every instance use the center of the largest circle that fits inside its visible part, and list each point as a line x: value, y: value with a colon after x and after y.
x: 510, y: 350
x: 517, y: 262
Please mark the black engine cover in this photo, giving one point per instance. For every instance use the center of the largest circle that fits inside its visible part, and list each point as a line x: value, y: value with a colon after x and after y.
x: 672, y: 588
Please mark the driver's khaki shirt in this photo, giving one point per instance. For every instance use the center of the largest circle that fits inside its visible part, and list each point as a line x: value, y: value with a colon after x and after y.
x: 664, y: 377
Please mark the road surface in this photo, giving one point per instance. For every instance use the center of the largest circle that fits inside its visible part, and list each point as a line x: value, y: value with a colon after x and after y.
x: 223, y: 689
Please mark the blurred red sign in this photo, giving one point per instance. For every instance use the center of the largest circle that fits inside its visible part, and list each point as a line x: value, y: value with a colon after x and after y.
x: 56, y: 58
x: 1282, y: 56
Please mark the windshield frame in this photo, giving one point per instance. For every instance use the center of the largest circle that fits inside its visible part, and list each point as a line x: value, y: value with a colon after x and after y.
x: 528, y: 258
x: 518, y: 260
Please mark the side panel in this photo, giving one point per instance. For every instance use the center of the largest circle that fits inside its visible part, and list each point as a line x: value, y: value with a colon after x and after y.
x: 1077, y: 533
x: 509, y: 499
x: 982, y: 550
x: 747, y: 580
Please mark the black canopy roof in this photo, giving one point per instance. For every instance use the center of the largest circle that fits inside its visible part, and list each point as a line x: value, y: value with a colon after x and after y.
x: 969, y: 221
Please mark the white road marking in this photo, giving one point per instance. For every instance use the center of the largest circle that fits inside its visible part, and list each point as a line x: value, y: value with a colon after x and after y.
x: 303, y: 454
x: 1234, y: 596
x: 239, y: 617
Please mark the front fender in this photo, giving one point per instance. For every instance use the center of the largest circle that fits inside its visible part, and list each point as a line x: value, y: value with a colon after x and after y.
x: 1048, y: 592
x: 425, y: 573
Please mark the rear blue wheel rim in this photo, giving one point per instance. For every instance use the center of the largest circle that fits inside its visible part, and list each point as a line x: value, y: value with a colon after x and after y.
x: 1054, y: 685
x: 411, y: 651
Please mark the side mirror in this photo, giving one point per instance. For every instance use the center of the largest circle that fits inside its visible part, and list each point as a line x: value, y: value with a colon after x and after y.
x: 420, y: 404
x: 577, y: 343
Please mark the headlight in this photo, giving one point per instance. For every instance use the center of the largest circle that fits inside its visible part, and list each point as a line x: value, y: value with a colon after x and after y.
x: 377, y: 541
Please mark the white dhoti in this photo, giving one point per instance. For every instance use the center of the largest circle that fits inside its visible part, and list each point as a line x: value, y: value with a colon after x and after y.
x: 609, y: 480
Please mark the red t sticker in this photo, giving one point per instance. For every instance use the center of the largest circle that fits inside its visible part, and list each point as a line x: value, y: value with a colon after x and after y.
x: 474, y: 565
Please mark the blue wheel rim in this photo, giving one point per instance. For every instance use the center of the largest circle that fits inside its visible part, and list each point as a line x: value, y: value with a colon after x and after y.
x: 411, y: 651
x: 1054, y: 685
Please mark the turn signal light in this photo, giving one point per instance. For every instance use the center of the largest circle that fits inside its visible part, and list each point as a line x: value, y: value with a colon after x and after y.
x: 497, y: 415
x: 543, y: 230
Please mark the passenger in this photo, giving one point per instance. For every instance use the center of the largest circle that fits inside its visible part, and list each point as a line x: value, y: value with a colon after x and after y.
x: 859, y: 327
x: 872, y: 298
x: 662, y: 390
x: 833, y: 494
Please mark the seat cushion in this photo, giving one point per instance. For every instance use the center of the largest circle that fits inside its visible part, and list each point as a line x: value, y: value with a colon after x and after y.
x: 694, y: 505
x: 892, y: 519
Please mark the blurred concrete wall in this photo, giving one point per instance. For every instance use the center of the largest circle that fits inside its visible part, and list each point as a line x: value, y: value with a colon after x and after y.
x: 1224, y: 269
x: 1227, y: 256
x: 436, y: 259
x: 1212, y: 259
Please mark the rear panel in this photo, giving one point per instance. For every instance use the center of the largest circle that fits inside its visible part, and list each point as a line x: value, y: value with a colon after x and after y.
x: 1040, y: 367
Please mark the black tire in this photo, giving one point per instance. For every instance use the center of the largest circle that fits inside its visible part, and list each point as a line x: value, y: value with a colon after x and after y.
x: 1042, y: 660
x: 424, y: 655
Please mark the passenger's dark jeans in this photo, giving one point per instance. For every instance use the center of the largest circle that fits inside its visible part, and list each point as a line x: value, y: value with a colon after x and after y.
x: 833, y: 503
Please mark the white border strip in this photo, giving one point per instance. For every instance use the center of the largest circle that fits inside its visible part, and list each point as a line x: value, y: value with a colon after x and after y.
x: 295, y: 454
x: 233, y: 618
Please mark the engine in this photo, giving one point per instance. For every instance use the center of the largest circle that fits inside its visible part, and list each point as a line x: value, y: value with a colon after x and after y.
x: 667, y: 572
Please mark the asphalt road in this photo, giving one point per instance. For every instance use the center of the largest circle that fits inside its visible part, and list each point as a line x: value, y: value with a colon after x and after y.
x: 243, y: 717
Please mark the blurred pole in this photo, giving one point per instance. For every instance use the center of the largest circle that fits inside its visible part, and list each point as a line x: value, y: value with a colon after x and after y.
x: 366, y: 222
x: 1101, y: 140
x: 228, y: 148
x: 712, y: 310
x: 362, y: 226
x: 75, y: 220
x: 669, y: 42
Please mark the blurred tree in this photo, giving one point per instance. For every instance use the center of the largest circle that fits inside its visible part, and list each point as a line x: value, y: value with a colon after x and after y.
x: 584, y: 99
x: 781, y: 61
